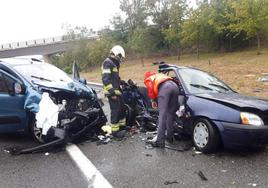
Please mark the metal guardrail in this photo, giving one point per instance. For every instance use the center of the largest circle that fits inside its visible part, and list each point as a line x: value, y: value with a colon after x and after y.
x: 96, y: 86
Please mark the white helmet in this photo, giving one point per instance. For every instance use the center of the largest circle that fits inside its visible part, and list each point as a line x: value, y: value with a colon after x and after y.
x: 118, y: 50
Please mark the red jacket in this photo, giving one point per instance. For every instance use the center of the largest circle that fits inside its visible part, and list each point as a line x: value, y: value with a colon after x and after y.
x: 153, y: 81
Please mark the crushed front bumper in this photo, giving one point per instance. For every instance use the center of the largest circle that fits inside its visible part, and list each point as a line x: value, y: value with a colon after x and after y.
x: 244, y: 136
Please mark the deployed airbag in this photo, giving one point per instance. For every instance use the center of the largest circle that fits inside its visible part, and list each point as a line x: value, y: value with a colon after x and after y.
x: 48, y: 114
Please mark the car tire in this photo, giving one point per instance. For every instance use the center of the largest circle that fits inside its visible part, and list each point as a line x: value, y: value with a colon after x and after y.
x: 205, y: 136
x: 35, y: 132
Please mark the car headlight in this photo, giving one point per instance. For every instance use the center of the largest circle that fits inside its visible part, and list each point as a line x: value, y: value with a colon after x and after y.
x: 251, y: 119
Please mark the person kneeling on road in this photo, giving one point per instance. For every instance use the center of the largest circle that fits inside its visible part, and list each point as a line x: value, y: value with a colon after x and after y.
x: 163, y: 89
x: 111, y: 86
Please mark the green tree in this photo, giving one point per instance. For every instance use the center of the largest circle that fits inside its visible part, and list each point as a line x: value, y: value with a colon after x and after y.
x: 251, y: 17
x: 197, y: 30
x: 176, y: 15
x: 136, y: 13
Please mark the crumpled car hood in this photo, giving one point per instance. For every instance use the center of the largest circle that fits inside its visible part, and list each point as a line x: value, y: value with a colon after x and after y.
x: 75, y: 87
x: 237, y: 100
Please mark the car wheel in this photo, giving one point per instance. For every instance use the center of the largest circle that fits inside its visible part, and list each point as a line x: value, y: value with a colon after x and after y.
x: 205, y: 136
x: 36, y: 133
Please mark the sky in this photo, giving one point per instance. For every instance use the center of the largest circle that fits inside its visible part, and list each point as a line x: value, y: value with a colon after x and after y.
x: 23, y: 20
x: 33, y: 19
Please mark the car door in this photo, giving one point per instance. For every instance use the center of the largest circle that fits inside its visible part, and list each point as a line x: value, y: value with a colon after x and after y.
x: 13, y: 117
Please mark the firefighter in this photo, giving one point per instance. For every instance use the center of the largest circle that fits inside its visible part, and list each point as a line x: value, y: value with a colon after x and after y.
x: 111, y: 86
x: 164, y: 92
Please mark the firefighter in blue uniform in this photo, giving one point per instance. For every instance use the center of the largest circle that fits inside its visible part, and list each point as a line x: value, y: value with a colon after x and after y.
x: 111, y: 86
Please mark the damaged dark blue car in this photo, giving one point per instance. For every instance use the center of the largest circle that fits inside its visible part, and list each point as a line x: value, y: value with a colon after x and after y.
x: 215, y: 115
x: 22, y: 85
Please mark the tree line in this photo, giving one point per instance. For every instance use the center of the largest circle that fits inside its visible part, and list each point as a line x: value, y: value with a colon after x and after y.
x: 172, y: 27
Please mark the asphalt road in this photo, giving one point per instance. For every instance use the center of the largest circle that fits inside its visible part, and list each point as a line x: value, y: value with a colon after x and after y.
x: 36, y: 170
x: 129, y: 163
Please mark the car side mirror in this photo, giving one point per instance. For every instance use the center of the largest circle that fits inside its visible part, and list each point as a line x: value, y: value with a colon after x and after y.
x: 17, y: 88
x: 83, y: 81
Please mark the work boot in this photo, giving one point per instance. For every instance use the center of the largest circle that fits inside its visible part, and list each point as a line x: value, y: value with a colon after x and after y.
x: 170, y: 140
x: 119, y: 134
x: 156, y: 143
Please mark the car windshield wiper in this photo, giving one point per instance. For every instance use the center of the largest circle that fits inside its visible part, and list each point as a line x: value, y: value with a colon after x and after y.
x: 41, y: 78
x: 201, y: 86
x: 219, y: 86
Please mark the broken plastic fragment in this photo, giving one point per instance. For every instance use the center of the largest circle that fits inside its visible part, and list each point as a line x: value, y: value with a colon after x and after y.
x: 202, y: 176
x: 170, y: 182
x: 149, y: 146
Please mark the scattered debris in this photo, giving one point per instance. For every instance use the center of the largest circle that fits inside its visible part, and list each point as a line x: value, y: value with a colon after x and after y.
x: 170, y: 182
x: 148, y: 146
x: 202, y: 176
x: 198, y: 152
x: 224, y: 171
x: 148, y: 155
x: 134, y: 130
x: 104, y: 140
x: 252, y: 184
x: 151, y: 133
x: 36, y: 149
x: 262, y: 79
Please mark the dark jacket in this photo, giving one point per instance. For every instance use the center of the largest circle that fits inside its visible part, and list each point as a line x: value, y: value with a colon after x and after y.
x: 110, y: 77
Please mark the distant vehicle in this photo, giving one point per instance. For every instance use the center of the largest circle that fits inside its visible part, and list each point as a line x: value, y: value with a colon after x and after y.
x: 22, y: 82
x: 215, y: 114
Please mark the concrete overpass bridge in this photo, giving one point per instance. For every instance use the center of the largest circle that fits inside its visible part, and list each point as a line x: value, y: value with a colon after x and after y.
x: 45, y: 46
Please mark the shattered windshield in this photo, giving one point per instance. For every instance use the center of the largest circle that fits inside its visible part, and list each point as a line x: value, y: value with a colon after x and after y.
x: 197, y: 82
x: 37, y: 72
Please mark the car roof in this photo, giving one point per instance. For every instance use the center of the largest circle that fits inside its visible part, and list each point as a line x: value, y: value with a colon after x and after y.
x: 20, y: 61
x: 169, y: 67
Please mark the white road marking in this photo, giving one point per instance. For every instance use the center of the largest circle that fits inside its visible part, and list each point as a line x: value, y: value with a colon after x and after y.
x: 94, y: 177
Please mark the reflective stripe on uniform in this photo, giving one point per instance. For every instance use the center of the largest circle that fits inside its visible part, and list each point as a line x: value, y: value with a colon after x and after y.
x: 115, y: 69
x: 117, y: 92
x: 115, y: 127
x: 122, y: 122
x: 106, y: 71
x: 107, y: 87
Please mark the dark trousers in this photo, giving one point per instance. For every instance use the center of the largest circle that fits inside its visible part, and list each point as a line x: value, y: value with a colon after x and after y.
x: 117, y: 109
x: 167, y: 105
